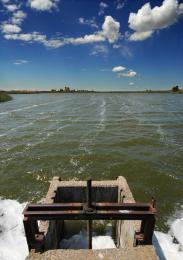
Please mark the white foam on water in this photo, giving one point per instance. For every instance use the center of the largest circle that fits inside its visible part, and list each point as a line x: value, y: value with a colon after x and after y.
x: 74, y: 162
x: 79, y: 241
x: 26, y: 108
x: 89, y: 138
x: 103, y: 108
x: 101, y: 124
x: 13, y: 245
x: 173, y: 177
x: 177, y: 230
x: 43, y: 137
x: 161, y: 133
x: 169, y: 245
x: 103, y: 242
x: 85, y: 146
x: 19, y: 109
x: 15, y: 128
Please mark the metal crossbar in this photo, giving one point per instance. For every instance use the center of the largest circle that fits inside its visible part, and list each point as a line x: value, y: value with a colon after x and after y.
x: 88, y: 211
x: 79, y: 206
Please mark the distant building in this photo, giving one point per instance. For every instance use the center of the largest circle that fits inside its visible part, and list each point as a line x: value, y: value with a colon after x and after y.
x: 67, y: 89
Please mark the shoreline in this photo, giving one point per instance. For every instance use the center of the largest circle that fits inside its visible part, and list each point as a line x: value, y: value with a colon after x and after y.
x: 25, y: 92
x: 5, y: 97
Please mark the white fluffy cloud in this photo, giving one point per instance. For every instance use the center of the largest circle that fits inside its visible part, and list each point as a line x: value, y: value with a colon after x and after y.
x: 90, y: 22
x: 99, y: 49
x: 91, y: 38
x: 119, y: 4
x: 148, y: 19
x: 109, y: 32
x: 110, y: 29
x: 118, y: 69
x: 140, y: 36
x: 121, y: 74
x: 22, y: 36
x: 10, y: 28
x: 43, y: 5
x: 18, y: 17
x: 131, y: 84
x: 11, y: 7
x: 102, y: 7
x: 52, y: 43
x: 123, y: 49
x: 20, y: 62
x: 5, y: 1
x: 129, y: 74
x: 34, y: 37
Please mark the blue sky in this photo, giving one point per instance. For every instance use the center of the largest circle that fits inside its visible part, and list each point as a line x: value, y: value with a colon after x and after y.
x: 101, y: 45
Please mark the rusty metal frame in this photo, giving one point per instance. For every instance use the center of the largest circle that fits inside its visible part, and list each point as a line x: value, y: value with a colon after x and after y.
x: 88, y: 211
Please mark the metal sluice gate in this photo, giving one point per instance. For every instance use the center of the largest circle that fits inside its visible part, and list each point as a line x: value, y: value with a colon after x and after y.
x: 89, y: 211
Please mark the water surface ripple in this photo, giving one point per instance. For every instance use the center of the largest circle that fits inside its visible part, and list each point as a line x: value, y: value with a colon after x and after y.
x: 139, y: 136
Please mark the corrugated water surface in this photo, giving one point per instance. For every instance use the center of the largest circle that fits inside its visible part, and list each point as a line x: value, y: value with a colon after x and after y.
x: 139, y: 136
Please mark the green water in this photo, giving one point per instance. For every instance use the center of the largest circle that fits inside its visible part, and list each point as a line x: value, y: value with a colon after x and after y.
x: 139, y: 136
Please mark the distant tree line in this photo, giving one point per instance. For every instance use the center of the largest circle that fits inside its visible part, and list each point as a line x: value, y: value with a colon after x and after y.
x: 175, y: 89
x: 69, y: 90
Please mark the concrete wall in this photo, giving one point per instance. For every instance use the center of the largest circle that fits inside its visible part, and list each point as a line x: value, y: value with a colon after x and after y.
x: 103, y: 191
x: 125, y: 228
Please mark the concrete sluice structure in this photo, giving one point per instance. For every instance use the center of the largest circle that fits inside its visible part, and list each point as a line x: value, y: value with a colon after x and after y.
x: 133, y: 236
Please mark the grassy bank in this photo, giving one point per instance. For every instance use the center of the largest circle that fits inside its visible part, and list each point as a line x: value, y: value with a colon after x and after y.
x: 4, y: 97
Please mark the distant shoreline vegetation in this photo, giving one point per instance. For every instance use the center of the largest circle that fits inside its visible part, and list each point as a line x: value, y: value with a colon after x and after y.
x: 4, y: 96
x: 174, y: 90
